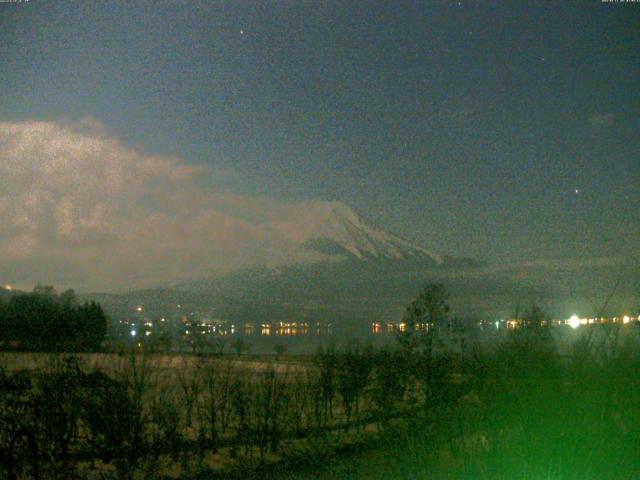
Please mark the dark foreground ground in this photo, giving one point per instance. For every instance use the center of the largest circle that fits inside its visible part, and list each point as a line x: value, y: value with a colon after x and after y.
x: 517, y: 411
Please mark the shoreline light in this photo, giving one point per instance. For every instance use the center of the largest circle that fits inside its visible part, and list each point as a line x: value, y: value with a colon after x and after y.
x: 574, y: 321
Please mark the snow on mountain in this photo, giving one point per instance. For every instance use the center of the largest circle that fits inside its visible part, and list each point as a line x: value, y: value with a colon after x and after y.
x: 333, y: 228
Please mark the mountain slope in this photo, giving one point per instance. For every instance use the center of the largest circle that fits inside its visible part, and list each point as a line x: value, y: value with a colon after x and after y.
x: 339, y: 255
x: 340, y: 268
x: 334, y: 229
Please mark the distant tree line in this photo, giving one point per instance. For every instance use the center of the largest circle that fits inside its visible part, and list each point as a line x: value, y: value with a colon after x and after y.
x: 45, y: 321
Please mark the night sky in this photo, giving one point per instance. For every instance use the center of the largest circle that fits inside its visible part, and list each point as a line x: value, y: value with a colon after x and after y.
x: 503, y: 131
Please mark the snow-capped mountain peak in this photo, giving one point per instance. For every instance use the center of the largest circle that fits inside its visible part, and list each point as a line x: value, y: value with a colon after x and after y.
x: 331, y: 227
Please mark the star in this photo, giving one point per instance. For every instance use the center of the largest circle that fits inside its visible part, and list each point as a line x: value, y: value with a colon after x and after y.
x: 577, y: 191
x: 241, y: 32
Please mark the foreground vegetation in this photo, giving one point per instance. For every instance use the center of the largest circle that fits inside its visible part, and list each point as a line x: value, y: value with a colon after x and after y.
x: 571, y: 418
x: 418, y: 410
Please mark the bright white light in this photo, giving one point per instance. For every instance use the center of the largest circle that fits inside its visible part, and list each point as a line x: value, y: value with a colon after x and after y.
x: 139, y: 309
x: 626, y: 319
x: 497, y: 324
x: 133, y: 333
x: 574, y: 321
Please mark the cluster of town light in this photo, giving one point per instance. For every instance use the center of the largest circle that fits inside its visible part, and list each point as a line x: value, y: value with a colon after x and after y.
x: 574, y: 322
x: 301, y: 328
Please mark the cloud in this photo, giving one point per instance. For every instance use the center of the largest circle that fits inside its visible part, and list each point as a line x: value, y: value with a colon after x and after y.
x: 602, y: 120
x: 570, y: 264
x: 80, y: 209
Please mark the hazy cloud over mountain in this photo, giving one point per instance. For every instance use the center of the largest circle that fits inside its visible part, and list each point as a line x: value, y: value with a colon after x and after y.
x: 80, y: 208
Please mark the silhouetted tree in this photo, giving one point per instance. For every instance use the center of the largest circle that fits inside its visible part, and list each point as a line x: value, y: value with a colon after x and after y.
x: 58, y: 406
x: 326, y: 361
x: 390, y: 381
x: 107, y: 411
x: 92, y: 326
x: 43, y: 321
x: 425, y: 317
x: 68, y: 299
x: 189, y: 381
x: 353, y: 369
